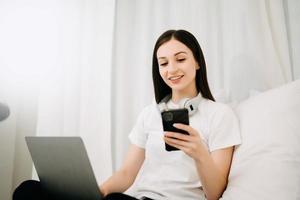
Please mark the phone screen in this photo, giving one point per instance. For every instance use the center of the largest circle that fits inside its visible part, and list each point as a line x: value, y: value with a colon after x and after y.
x: 174, y: 116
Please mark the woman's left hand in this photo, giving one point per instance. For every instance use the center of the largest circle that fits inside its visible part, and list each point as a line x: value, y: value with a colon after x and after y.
x: 192, y: 144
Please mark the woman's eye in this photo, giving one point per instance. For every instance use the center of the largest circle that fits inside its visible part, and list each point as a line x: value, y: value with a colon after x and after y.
x: 181, y: 59
x: 163, y: 64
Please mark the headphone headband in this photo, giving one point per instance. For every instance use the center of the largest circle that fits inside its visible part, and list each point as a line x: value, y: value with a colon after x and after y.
x: 191, y: 104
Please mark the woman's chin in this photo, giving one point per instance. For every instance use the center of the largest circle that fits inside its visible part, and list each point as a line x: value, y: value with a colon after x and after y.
x: 176, y: 87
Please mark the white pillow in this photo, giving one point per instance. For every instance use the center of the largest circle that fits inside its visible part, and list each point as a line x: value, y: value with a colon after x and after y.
x: 267, y: 163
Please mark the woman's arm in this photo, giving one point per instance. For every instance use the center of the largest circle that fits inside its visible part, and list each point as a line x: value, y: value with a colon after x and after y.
x: 213, y: 168
x: 122, y: 179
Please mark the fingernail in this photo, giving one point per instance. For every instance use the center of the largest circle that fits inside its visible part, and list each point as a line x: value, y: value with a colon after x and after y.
x: 175, y: 125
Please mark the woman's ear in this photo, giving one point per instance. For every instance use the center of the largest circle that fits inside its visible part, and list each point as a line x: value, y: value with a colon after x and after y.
x: 197, y: 65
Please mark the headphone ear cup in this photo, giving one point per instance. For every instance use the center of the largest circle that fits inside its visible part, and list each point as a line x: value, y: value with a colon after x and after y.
x: 183, y: 102
x: 188, y: 104
x: 191, y: 106
x: 162, y: 106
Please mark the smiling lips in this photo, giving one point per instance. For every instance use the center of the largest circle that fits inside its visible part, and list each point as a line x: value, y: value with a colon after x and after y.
x: 175, y: 79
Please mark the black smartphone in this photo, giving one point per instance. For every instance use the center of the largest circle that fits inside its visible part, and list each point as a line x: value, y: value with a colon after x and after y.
x: 174, y: 116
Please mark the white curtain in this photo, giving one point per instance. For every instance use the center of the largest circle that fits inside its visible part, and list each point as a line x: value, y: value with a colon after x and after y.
x: 75, y: 99
x: 83, y: 67
x: 245, y: 44
x: 55, y: 67
x: 292, y: 18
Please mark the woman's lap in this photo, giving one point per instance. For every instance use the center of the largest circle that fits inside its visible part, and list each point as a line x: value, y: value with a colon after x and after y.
x: 32, y: 190
x: 121, y: 196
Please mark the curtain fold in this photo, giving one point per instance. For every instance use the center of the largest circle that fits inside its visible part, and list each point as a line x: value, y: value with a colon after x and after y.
x: 292, y: 20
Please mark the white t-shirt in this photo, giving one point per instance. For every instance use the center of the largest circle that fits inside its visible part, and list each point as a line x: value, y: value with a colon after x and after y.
x: 173, y: 175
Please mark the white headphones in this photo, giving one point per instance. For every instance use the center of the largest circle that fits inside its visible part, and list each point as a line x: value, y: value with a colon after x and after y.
x: 191, y: 104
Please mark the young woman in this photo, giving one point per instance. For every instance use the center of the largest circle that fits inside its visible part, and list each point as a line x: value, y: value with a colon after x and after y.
x: 199, y: 169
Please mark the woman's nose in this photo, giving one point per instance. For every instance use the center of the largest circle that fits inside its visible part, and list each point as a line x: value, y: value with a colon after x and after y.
x: 172, y: 67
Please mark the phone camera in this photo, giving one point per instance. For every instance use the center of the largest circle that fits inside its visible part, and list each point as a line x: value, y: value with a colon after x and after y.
x: 168, y: 116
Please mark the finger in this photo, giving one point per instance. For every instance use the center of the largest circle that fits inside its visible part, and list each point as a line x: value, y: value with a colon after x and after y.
x: 189, y: 129
x: 172, y: 142
x: 179, y: 136
x: 177, y: 145
x: 186, y: 128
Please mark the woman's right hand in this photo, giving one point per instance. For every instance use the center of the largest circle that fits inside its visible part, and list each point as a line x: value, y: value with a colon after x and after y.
x: 122, y: 179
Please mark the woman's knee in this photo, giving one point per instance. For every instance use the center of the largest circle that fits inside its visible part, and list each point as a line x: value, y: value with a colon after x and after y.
x: 29, y: 189
x: 119, y: 196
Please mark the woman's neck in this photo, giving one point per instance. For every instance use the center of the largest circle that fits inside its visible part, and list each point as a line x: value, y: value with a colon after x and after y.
x: 178, y: 95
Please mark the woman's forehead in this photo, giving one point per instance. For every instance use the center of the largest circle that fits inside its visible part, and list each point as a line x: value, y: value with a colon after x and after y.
x: 171, y: 48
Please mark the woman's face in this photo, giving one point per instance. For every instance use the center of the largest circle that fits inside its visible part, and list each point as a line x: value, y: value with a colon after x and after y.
x: 177, y: 67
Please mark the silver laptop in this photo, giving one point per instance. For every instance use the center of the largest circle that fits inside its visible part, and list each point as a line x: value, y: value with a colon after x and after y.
x: 63, y: 167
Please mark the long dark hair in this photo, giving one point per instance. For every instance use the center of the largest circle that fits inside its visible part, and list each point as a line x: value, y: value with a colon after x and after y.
x: 161, y: 89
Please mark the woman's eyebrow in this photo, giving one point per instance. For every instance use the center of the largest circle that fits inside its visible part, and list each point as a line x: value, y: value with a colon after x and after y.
x: 162, y: 58
x: 174, y: 54
x: 180, y: 53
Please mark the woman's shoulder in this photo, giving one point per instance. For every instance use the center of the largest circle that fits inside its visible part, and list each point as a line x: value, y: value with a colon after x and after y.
x: 216, y: 108
x: 149, y: 109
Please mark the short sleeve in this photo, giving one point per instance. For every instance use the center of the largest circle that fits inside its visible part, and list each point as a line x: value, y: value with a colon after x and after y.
x: 138, y: 135
x: 224, y: 129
